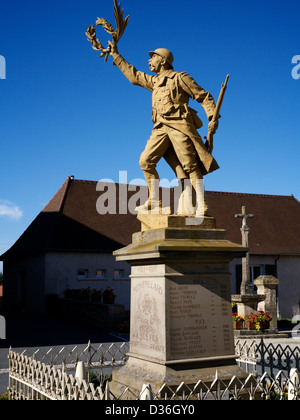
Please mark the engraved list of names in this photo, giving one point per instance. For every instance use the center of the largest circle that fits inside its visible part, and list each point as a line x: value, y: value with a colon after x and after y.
x: 199, y: 319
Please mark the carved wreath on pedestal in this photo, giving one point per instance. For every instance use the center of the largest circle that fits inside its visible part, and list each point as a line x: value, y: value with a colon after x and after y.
x: 116, y: 33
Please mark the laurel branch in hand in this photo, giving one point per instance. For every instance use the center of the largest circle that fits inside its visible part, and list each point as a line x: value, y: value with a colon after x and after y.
x: 115, y: 33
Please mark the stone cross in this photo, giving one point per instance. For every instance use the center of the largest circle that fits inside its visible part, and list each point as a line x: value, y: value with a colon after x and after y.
x: 246, y: 286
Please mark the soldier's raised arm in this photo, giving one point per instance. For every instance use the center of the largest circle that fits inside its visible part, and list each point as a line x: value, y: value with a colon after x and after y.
x: 135, y: 76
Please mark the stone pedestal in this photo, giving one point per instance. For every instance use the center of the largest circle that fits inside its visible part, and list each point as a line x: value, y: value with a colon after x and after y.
x: 247, y: 303
x: 267, y: 285
x: 152, y: 222
x: 181, y: 318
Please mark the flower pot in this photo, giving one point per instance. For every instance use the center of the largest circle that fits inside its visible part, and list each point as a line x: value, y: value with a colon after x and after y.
x: 264, y: 325
x: 238, y: 325
x: 250, y: 325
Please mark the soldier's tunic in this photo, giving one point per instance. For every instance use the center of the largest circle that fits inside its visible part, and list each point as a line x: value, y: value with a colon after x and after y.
x: 175, y: 123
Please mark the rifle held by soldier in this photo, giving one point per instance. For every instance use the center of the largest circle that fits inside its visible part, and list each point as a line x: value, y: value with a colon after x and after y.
x: 210, y: 136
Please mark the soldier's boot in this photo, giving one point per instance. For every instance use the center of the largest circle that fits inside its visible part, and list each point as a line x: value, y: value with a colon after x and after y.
x: 185, y: 202
x: 198, y: 185
x: 153, y: 205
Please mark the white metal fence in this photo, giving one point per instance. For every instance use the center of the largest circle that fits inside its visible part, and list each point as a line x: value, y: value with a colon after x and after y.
x: 52, y: 375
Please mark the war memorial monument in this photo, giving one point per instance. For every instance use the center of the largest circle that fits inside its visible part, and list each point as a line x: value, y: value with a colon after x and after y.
x: 181, y: 316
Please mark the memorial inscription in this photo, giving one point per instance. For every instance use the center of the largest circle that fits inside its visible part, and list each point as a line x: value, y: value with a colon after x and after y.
x: 195, y: 313
x: 147, y: 332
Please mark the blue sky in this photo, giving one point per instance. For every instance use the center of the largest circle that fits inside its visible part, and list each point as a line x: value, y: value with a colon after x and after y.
x: 64, y: 111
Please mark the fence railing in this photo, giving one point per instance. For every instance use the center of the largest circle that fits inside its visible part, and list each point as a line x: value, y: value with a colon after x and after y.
x: 98, y: 359
x: 52, y: 375
x: 260, y: 357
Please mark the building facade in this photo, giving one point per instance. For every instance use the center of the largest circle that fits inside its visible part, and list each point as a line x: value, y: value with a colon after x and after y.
x: 70, y: 245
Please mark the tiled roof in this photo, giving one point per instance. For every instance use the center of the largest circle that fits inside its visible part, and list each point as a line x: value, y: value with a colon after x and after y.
x: 275, y: 228
x: 70, y: 222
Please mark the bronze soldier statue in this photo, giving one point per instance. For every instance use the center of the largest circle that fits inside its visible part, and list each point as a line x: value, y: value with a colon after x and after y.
x: 174, y: 136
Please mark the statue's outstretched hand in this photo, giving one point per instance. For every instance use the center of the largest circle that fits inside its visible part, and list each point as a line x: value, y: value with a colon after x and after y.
x: 113, y: 49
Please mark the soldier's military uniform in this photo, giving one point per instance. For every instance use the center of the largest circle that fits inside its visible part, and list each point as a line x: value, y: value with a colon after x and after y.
x: 175, y: 123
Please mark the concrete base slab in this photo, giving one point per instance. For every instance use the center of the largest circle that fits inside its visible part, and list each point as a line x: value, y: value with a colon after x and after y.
x: 138, y: 372
x: 259, y: 334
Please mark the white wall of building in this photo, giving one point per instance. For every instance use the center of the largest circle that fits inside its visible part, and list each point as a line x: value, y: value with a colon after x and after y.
x: 62, y: 273
x: 289, y: 286
x: 27, y: 281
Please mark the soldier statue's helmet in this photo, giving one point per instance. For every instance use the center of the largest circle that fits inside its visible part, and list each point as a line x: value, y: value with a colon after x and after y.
x: 164, y: 53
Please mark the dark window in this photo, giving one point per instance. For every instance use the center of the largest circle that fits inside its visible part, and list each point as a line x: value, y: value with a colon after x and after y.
x: 101, y: 273
x: 82, y: 274
x: 270, y: 270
